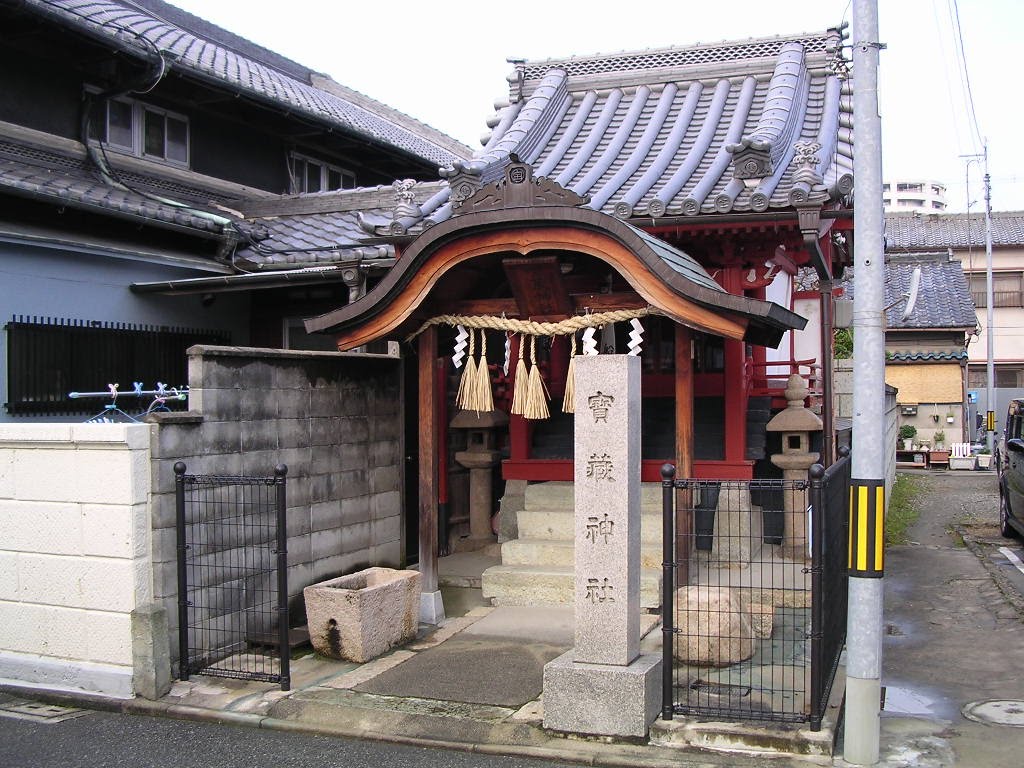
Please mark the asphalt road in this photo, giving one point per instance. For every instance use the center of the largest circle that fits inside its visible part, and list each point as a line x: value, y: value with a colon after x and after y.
x: 108, y: 740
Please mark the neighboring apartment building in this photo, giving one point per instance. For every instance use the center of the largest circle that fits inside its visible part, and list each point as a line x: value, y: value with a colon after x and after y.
x: 132, y: 135
x: 962, y: 236
x: 914, y: 196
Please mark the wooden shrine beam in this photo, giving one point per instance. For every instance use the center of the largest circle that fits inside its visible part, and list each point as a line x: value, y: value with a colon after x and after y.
x: 684, y: 449
x: 526, y: 241
x: 428, y: 459
x: 595, y: 302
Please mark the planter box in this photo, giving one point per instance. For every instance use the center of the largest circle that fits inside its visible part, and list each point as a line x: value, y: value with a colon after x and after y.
x: 984, y: 460
x: 360, y: 616
x: 962, y: 462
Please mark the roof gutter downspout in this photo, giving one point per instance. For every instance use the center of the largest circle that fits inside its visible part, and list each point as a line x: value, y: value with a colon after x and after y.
x: 810, y: 220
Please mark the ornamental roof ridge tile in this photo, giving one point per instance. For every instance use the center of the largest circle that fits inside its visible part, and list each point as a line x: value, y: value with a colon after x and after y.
x: 139, y: 28
x: 677, y: 55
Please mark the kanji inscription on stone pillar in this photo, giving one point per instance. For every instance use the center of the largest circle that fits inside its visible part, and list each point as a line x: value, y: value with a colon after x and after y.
x: 607, y: 502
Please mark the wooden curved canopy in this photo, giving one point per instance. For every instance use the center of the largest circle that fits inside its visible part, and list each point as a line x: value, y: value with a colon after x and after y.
x: 388, y: 311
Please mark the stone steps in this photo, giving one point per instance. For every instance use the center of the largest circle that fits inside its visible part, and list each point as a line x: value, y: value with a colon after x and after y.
x: 551, y: 585
x: 537, y: 568
x: 534, y: 551
x: 558, y: 495
x: 558, y: 525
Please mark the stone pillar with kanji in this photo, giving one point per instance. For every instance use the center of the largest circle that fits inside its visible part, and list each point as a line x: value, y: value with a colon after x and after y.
x: 604, y: 685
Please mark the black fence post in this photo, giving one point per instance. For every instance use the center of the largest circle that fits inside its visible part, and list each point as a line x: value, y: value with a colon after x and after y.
x: 668, y: 566
x: 280, y: 473
x: 817, y: 473
x: 179, y: 516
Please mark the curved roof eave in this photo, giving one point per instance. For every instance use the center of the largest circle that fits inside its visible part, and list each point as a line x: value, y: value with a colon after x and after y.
x: 765, y: 322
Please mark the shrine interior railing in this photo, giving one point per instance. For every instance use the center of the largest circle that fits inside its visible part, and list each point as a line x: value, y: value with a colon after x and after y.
x: 754, y: 602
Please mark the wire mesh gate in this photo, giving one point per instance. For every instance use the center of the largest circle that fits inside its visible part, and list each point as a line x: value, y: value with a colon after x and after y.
x: 755, y: 627
x: 232, y: 576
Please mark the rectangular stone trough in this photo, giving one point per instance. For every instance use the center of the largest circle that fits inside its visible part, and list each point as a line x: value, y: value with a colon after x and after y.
x: 360, y: 616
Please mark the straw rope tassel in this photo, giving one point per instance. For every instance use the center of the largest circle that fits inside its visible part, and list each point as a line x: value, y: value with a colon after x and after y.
x: 521, y: 384
x: 569, y: 401
x: 482, y: 395
x: 464, y: 397
x: 537, y: 395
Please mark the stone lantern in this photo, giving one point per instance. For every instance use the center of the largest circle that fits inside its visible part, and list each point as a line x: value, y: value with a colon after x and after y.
x: 796, y: 423
x: 480, y: 457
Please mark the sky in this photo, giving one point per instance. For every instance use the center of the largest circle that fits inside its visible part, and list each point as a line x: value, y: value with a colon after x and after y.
x: 444, y: 63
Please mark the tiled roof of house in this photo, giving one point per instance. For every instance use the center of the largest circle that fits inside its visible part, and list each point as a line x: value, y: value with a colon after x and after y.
x: 940, y: 231
x: 201, y: 49
x: 35, y: 172
x: 913, y: 356
x: 943, y: 297
x: 732, y: 127
x: 324, y: 226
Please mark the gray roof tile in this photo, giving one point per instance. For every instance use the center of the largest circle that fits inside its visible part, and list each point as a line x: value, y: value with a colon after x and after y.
x: 41, y: 173
x: 254, y: 71
x: 727, y: 128
x: 943, y: 297
x: 939, y: 231
x: 666, y: 132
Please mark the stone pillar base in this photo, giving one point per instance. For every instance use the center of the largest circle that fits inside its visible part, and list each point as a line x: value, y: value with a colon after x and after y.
x: 602, y: 699
x: 431, y: 607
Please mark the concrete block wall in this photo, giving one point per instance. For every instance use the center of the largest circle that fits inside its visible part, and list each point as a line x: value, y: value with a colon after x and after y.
x: 74, y: 552
x: 334, y: 419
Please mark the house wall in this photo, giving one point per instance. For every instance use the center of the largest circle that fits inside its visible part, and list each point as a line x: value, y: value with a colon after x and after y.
x: 47, y: 282
x: 936, y: 390
x: 1008, y: 347
x: 74, y: 553
x: 334, y: 419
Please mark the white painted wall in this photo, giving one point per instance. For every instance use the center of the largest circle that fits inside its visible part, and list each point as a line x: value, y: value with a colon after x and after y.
x: 74, y: 552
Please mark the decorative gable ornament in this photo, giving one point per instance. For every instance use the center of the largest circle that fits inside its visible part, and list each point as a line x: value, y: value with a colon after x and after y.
x: 517, y: 189
x: 751, y: 160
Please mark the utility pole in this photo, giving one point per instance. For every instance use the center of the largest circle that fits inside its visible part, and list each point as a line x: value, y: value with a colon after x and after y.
x: 990, y: 396
x: 867, y: 496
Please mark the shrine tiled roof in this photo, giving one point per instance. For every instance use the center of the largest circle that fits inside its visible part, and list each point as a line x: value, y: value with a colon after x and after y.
x: 202, y: 50
x: 752, y: 126
x: 939, y: 231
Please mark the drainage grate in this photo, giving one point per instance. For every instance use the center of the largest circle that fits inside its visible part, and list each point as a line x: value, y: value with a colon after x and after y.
x: 997, y: 711
x: 21, y: 709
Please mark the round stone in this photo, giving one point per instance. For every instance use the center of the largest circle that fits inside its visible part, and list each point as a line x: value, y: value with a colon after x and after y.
x: 996, y: 711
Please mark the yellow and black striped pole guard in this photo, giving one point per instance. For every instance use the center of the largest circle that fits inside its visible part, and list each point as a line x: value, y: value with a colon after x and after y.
x: 867, y: 529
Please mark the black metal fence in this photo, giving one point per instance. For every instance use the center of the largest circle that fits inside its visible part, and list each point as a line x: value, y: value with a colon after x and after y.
x: 232, y: 576
x: 49, y: 357
x: 830, y: 493
x: 754, y: 603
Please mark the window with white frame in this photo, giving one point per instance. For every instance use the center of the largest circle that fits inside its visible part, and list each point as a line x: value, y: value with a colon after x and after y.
x: 309, y: 175
x: 141, y: 130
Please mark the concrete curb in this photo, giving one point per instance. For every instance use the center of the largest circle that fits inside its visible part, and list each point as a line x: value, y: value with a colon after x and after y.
x: 1005, y: 587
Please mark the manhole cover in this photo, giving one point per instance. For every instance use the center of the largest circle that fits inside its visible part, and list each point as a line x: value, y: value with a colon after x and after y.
x: 20, y: 709
x: 997, y: 711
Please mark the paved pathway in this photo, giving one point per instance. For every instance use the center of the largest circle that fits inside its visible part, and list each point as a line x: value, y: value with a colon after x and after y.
x: 954, y: 634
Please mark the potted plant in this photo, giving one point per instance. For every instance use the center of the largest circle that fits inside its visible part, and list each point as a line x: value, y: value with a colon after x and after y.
x: 984, y: 458
x: 939, y: 437
x: 950, y: 418
x: 907, y: 434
